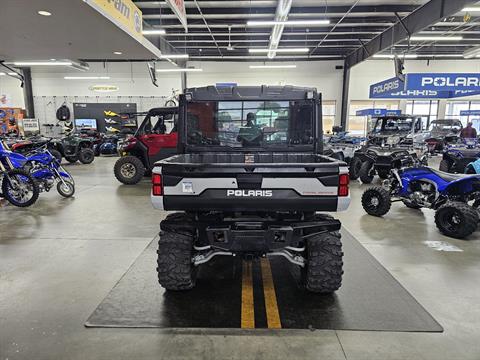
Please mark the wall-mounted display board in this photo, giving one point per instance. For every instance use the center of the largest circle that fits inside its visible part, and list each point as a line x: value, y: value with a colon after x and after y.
x: 108, y: 115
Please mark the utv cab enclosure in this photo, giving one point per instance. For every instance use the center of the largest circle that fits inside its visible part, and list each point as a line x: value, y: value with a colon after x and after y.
x: 249, y: 180
x: 153, y: 141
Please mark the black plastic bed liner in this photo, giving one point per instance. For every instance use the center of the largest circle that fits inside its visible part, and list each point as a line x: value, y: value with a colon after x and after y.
x: 254, y: 160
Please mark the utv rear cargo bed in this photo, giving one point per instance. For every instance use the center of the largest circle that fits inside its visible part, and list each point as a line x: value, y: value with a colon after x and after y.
x: 250, y: 182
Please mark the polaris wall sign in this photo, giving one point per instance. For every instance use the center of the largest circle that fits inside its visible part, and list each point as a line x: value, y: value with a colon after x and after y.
x: 443, y: 82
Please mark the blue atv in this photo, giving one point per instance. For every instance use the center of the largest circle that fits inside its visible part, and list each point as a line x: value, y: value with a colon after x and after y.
x: 43, y: 167
x: 457, y: 157
x: 454, y: 197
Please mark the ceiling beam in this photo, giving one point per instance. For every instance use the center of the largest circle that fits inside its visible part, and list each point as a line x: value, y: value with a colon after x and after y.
x: 427, y: 15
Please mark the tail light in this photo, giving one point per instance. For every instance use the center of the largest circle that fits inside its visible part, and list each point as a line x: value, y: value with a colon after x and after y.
x: 157, y: 186
x: 343, y: 181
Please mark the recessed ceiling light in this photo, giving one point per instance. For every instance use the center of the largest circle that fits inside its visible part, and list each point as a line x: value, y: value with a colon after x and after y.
x: 117, y: 52
x: 180, y: 70
x: 471, y: 9
x: 44, y: 13
x: 273, y: 66
x: 281, y: 50
x: 154, y: 32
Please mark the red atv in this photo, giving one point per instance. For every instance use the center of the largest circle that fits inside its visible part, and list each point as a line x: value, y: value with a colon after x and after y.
x: 152, y: 142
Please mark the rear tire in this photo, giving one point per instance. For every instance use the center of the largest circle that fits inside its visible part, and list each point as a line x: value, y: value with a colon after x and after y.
x: 174, y: 262
x: 456, y: 219
x: 86, y: 156
x: 129, y: 170
x: 355, y: 166
x: 7, y: 185
x: 376, y: 201
x: 444, y: 166
x: 365, y: 172
x: 324, y: 268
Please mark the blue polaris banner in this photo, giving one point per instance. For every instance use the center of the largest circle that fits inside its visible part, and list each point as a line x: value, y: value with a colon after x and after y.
x: 394, y: 88
x: 470, y: 113
x: 443, y: 81
x: 385, y: 88
x: 378, y: 112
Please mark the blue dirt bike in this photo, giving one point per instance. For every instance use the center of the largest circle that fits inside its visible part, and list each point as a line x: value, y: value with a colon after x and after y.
x: 17, y: 185
x: 45, y: 170
x: 454, y: 197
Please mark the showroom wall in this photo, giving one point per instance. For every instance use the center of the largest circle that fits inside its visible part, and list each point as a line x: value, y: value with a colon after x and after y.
x: 10, y: 92
x: 133, y: 82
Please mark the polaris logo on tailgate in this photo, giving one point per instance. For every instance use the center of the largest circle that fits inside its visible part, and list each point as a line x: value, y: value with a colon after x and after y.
x: 250, y: 193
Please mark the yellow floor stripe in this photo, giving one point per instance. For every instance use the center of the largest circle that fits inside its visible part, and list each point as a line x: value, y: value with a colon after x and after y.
x: 271, y: 307
x: 248, y: 312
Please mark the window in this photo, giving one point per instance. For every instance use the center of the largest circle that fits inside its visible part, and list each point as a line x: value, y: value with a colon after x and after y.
x: 453, y: 112
x: 358, y: 124
x: 329, y: 109
x: 250, y: 123
x: 427, y: 110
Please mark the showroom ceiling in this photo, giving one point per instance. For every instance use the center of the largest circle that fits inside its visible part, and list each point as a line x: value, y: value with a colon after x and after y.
x: 219, y: 29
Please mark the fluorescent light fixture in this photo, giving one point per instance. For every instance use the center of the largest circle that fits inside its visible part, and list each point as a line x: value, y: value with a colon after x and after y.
x: 471, y: 53
x: 281, y: 50
x: 86, y: 77
x: 174, y: 56
x: 44, y: 13
x: 273, y: 66
x: 435, y: 38
x: 471, y: 9
x: 180, y: 70
x: 154, y: 32
x: 117, y: 52
x: 43, y: 63
x: 287, y: 22
x: 11, y: 74
x: 392, y: 56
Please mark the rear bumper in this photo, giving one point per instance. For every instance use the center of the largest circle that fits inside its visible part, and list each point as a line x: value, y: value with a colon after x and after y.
x: 281, y: 200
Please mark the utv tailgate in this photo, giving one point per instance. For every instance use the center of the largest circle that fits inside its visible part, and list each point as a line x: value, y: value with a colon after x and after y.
x: 250, y: 182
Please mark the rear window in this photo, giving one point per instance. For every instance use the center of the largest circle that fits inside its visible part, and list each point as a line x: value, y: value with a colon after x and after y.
x: 242, y: 124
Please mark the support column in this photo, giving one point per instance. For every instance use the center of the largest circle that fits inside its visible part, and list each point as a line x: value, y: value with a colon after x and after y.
x: 28, y: 92
x: 345, y: 92
x: 183, y: 80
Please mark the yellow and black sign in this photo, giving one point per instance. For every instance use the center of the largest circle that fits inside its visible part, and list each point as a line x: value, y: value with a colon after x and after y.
x: 124, y: 12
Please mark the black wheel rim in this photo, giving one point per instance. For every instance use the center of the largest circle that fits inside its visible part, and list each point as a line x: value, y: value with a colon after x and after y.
x: 372, y: 202
x: 452, y: 220
x: 20, y: 188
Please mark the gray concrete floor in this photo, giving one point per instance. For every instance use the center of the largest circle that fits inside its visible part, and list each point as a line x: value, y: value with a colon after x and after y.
x: 61, y: 257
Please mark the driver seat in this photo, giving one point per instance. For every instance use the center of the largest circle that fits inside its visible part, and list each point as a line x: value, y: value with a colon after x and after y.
x: 452, y: 177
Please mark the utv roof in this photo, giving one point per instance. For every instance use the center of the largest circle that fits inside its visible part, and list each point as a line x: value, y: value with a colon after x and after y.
x: 264, y: 92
